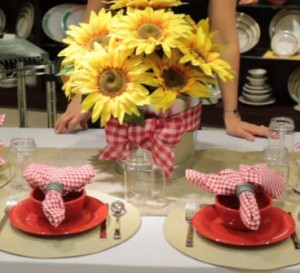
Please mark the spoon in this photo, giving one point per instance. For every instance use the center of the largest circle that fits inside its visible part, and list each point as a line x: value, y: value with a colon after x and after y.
x: 118, y: 209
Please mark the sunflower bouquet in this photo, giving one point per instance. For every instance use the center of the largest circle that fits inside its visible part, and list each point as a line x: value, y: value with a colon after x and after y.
x: 138, y: 55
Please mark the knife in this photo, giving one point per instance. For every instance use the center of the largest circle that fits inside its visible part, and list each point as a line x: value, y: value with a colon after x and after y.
x: 103, y: 233
x: 295, y: 239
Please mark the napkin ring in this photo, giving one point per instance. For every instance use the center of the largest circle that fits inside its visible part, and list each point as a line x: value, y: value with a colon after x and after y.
x: 55, y: 186
x: 243, y: 187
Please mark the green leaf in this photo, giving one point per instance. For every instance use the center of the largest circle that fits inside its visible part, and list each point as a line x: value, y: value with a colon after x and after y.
x: 135, y: 119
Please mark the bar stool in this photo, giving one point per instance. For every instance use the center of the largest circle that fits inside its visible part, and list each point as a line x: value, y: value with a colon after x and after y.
x: 20, y: 59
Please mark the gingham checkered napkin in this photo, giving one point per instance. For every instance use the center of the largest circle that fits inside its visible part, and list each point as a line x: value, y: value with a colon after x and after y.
x: 72, y: 179
x: 225, y: 183
x: 158, y: 135
x: 2, y: 118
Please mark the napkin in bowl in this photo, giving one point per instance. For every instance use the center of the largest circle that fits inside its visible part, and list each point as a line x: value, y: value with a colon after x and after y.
x: 2, y: 118
x: 227, y: 181
x: 71, y: 178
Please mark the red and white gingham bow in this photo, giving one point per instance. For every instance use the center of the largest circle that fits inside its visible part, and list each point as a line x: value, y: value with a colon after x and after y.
x: 2, y: 118
x: 157, y: 135
x: 72, y: 178
x: 225, y: 183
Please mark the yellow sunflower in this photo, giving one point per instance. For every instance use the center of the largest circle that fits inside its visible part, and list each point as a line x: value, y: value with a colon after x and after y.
x: 112, y: 83
x: 175, y: 79
x: 149, y: 29
x: 140, y: 4
x: 200, y: 51
x: 83, y: 37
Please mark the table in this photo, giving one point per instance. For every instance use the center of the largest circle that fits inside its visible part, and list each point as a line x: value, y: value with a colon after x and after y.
x: 145, y: 252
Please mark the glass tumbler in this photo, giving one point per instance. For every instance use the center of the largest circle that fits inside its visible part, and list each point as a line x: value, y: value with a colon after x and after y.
x: 282, y: 132
x: 22, y: 152
x: 277, y: 159
x: 144, y: 181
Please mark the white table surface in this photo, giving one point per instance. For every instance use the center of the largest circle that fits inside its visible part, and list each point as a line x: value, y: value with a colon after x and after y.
x: 147, y: 251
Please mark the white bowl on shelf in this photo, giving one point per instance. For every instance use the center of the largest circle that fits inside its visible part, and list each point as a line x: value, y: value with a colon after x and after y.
x: 256, y: 81
x: 257, y: 72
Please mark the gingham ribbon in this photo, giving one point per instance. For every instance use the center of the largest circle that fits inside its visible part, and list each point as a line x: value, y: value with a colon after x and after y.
x: 157, y: 135
x: 2, y: 118
x: 225, y: 183
x: 72, y: 179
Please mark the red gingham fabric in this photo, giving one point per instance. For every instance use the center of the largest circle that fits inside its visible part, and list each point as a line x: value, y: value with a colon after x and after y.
x: 158, y: 135
x: 72, y: 179
x: 2, y: 118
x: 225, y: 183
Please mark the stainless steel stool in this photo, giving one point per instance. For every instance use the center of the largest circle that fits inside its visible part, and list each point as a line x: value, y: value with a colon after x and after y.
x: 20, y: 59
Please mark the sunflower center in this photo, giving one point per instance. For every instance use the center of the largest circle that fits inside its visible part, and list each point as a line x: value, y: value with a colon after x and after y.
x: 112, y: 82
x: 173, y: 78
x: 149, y: 30
x: 101, y: 39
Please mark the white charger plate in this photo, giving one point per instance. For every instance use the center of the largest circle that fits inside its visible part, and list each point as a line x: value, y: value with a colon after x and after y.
x: 53, y: 22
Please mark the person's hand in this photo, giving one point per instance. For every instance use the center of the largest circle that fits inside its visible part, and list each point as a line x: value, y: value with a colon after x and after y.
x: 73, y: 116
x: 238, y: 128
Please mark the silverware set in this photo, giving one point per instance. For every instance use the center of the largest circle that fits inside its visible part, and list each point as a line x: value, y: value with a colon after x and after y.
x: 118, y: 209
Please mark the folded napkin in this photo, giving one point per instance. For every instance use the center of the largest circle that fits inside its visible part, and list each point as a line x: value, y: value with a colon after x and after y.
x: 2, y: 118
x: 72, y: 179
x: 226, y: 182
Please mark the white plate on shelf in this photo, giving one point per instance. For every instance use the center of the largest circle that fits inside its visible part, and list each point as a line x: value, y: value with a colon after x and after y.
x: 286, y: 20
x: 73, y: 16
x: 284, y: 43
x: 259, y: 87
x: 269, y: 101
x: 2, y: 20
x: 53, y: 22
x: 294, y: 85
x: 248, y: 30
x: 25, y: 20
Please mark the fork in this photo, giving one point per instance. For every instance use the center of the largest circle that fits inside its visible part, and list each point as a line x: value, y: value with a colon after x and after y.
x: 11, y: 201
x: 190, y: 210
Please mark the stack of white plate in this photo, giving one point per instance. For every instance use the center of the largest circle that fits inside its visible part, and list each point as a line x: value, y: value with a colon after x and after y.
x: 284, y: 31
x: 248, y: 31
x: 256, y: 91
x: 25, y: 20
x: 294, y: 87
x: 59, y: 18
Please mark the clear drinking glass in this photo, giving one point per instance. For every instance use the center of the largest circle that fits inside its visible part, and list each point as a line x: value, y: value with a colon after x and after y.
x: 144, y: 181
x: 22, y: 152
x: 277, y: 159
x: 282, y: 132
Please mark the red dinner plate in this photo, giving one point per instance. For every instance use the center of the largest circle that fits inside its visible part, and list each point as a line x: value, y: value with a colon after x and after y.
x: 279, y: 226
x: 25, y: 217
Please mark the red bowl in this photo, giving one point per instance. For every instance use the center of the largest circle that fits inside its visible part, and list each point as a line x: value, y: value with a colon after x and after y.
x: 73, y: 202
x: 228, y: 209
